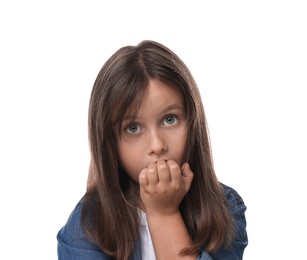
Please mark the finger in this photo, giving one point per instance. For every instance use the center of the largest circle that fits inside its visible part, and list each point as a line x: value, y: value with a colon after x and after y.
x: 143, y: 180
x: 187, y: 176
x: 175, y: 171
x: 163, y: 172
x: 152, y: 174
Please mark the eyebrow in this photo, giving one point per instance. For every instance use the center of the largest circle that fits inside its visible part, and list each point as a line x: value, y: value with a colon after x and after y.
x: 172, y: 107
x: 165, y: 110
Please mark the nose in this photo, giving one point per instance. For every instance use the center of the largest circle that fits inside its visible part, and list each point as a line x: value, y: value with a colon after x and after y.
x: 157, y: 144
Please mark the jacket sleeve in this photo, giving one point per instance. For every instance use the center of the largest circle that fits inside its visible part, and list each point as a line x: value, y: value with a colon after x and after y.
x: 66, y: 252
x: 204, y: 256
x: 72, y: 242
x: 237, y: 208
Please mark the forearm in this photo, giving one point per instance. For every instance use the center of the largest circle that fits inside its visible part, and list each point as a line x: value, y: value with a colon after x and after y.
x: 169, y: 235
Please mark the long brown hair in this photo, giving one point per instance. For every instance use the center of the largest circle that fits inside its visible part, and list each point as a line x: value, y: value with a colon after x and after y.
x: 109, y: 214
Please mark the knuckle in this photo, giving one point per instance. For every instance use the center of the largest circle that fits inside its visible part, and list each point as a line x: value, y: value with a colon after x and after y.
x: 163, y: 190
x: 151, y: 171
x: 173, y: 165
x: 176, y: 187
x: 142, y: 177
x: 162, y: 166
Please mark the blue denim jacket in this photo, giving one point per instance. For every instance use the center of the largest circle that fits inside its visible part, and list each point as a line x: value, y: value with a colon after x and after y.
x: 74, y: 245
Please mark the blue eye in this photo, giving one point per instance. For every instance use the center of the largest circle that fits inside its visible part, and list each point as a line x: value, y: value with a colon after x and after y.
x: 133, y: 128
x: 170, y: 120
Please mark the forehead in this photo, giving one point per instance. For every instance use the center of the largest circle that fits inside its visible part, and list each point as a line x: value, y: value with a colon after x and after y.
x: 160, y: 96
x: 156, y: 95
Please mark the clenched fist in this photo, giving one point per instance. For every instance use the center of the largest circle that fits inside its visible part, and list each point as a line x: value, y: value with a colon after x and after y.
x: 163, y: 185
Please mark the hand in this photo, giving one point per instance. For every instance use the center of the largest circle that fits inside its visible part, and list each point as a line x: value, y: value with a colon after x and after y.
x: 163, y: 185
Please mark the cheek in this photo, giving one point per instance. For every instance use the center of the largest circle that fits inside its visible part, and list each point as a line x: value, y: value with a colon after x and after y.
x: 179, y: 146
x: 129, y: 160
x: 184, y: 146
x: 122, y: 153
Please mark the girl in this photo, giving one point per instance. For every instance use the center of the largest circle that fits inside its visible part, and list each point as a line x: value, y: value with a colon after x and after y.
x: 152, y: 191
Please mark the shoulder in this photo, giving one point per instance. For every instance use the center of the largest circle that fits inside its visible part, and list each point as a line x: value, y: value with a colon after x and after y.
x: 72, y: 240
x: 237, y: 209
x: 235, y: 202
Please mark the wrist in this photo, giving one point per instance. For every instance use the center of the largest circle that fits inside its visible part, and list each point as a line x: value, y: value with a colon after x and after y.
x: 164, y: 215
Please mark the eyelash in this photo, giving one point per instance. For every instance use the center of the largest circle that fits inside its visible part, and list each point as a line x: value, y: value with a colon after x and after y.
x: 126, y: 128
x: 171, y: 116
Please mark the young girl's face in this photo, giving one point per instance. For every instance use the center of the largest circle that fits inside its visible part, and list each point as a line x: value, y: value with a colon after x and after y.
x: 158, y: 132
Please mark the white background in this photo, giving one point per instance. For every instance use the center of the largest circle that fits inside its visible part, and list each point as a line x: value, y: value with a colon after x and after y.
x: 249, y: 59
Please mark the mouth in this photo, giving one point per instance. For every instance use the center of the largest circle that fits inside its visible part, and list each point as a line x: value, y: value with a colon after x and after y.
x: 161, y: 160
